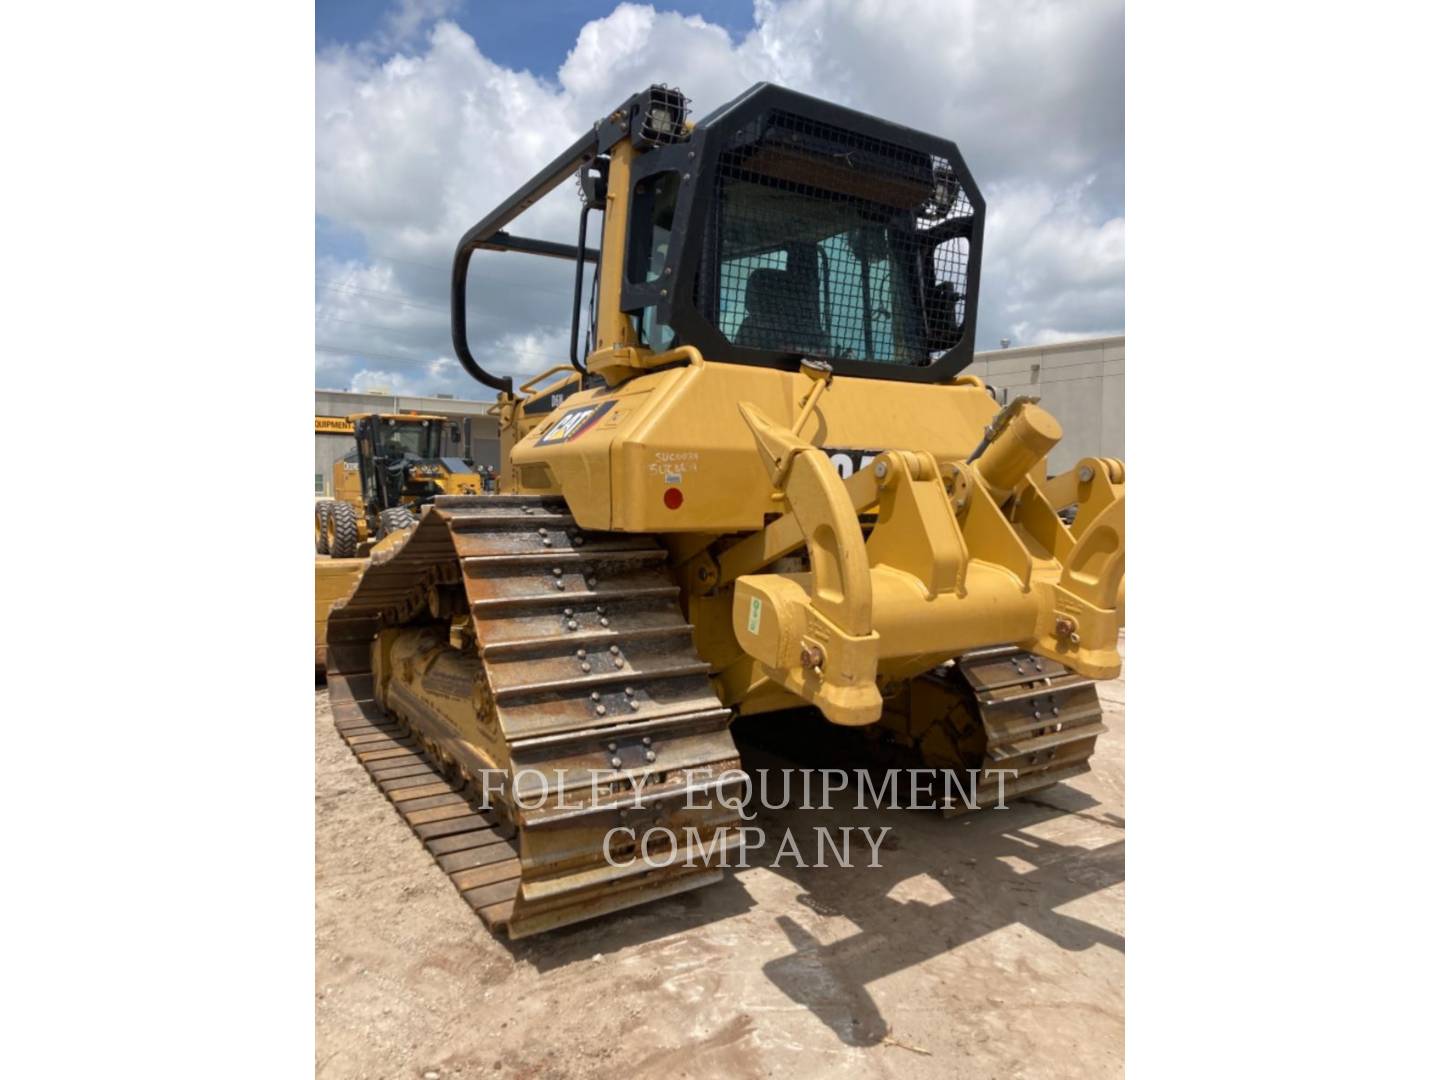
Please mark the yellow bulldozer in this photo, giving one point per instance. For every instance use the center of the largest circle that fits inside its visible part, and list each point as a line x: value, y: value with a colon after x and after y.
x: 764, y: 485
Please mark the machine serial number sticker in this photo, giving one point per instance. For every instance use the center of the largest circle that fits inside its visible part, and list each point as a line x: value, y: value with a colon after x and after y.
x: 574, y: 423
x: 753, y: 625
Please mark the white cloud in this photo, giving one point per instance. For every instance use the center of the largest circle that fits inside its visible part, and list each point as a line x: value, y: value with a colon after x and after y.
x: 406, y: 18
x: 415, y: 142
x: 1054, y: 264
x: 387, y: 382
x: 441, y: 374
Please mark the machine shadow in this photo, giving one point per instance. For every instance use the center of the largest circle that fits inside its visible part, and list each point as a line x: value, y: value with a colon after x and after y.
x: 979, y: 873
x: 982, y: 872
x: 641, y: 925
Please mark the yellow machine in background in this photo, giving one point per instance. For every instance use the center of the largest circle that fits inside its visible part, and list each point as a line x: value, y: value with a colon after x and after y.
x: 398, y: 465
x: 334, y: 579
x: 767, y: 486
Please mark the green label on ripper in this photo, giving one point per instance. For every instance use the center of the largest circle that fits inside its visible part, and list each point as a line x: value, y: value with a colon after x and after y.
x: 754, y: 624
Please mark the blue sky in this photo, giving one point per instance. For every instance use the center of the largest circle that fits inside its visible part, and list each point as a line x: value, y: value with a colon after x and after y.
x: 527, y: 35
x: 532, y: 35
x: 429, y: 112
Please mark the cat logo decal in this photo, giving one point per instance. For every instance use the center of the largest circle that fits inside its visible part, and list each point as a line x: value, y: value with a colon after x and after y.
x: 574, y: 423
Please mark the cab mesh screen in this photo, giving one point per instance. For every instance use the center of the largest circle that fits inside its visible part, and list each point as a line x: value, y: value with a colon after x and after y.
x: 826, y: 243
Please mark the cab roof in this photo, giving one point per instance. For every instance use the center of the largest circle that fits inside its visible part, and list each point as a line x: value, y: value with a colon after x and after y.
x: 414, y: 417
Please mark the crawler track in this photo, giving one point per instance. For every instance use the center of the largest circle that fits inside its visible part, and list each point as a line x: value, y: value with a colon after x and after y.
x: 477, y: 849
x: 586, y: 709
x: 1038, y: 718
x: 1020, y: 722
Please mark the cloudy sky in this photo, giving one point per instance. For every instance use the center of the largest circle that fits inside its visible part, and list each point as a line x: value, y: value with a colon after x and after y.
x: 429, y: 112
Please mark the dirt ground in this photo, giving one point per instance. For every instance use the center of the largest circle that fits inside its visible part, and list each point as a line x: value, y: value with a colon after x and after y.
x: 985, y: 946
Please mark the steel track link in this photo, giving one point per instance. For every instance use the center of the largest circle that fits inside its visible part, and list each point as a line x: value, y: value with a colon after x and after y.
x: 1040, y: 721
x: 604, y: 714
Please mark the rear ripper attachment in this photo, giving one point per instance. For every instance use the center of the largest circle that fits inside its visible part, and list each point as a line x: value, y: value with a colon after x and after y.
x: 523, y: 690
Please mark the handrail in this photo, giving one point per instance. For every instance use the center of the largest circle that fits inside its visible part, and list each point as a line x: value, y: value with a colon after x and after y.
x: 579, y: 290
x: 484, y: 233
x: 530, y: 384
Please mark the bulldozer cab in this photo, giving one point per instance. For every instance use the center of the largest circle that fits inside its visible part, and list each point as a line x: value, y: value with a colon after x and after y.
x: 778, y: 228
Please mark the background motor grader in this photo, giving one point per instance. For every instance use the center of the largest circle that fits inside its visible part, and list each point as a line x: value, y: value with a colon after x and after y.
x: 765, y: 487
x: 398, y: 465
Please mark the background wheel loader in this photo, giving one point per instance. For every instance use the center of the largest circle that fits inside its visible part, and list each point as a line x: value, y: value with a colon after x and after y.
x: 764, y: 487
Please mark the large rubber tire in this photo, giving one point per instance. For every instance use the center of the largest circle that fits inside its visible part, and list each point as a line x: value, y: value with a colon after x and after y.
x: 342, y: 531
x: 396, y: 519
x: 322, y: 525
